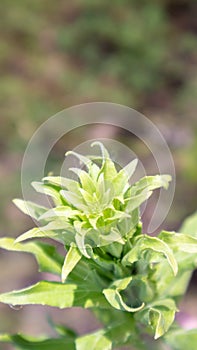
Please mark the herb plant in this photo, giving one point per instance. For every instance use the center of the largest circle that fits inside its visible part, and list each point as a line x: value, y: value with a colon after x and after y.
x: 130, y: 280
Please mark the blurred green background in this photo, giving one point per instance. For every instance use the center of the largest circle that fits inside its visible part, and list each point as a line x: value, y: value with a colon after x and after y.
x: 55, y: 54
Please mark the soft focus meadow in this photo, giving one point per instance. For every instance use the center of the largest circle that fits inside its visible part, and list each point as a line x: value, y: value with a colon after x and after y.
x: 57, y: 54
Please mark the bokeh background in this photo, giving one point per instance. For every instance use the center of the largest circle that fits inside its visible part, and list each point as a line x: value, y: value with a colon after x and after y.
x: 55, y: 54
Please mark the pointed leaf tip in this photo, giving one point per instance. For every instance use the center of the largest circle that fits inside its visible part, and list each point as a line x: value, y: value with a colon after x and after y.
x: 113, y: 296
x: 85, y: 160
x: 71, y: 260
x: 104, y: 151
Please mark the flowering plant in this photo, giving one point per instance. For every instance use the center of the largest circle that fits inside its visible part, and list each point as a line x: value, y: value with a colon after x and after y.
x: 130, y: 280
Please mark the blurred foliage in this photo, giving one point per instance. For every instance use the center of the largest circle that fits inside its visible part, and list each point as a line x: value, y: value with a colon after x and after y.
x: 116, y: 42
x: 53, y: 55
x: 57, y: 54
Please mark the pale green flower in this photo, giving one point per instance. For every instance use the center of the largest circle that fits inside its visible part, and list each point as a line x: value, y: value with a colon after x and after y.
x: 98, y: 209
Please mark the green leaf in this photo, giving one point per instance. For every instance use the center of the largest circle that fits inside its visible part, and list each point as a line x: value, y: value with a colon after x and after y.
x: 190, y: 226
x: 184, y: 247
x: 161, y: 320
x: 108, y: 267
x: 122, y: 332
x: 101, y: 190
x: 120, y: 327
x: 59, y: 230
x: 62, y: 182
x: 113, y: 296
x: 159, y: 315
x: 25, y: 343
x: 72, y: 258
x: 57, y: 295
x: 134, y: 202
x: 116, y: 215
x: 115, y: 249
x: 74, y: 200
x: 46, y: 255
x: 179, y: 241
x: 181, y: 339
x: 108, y: 168
x: 89, y: 200
x: 80, y: 237
x: 129, y: 169
x: 48, y: 189
x: 169, y: 285
x: 94, y: 341
x: 60, y: 211
x: 30, y: 208
x: 120, y: 181
x: 35, y: 233
x: 145, y: 242
x: 85, y: 179
x: 150, y: 183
